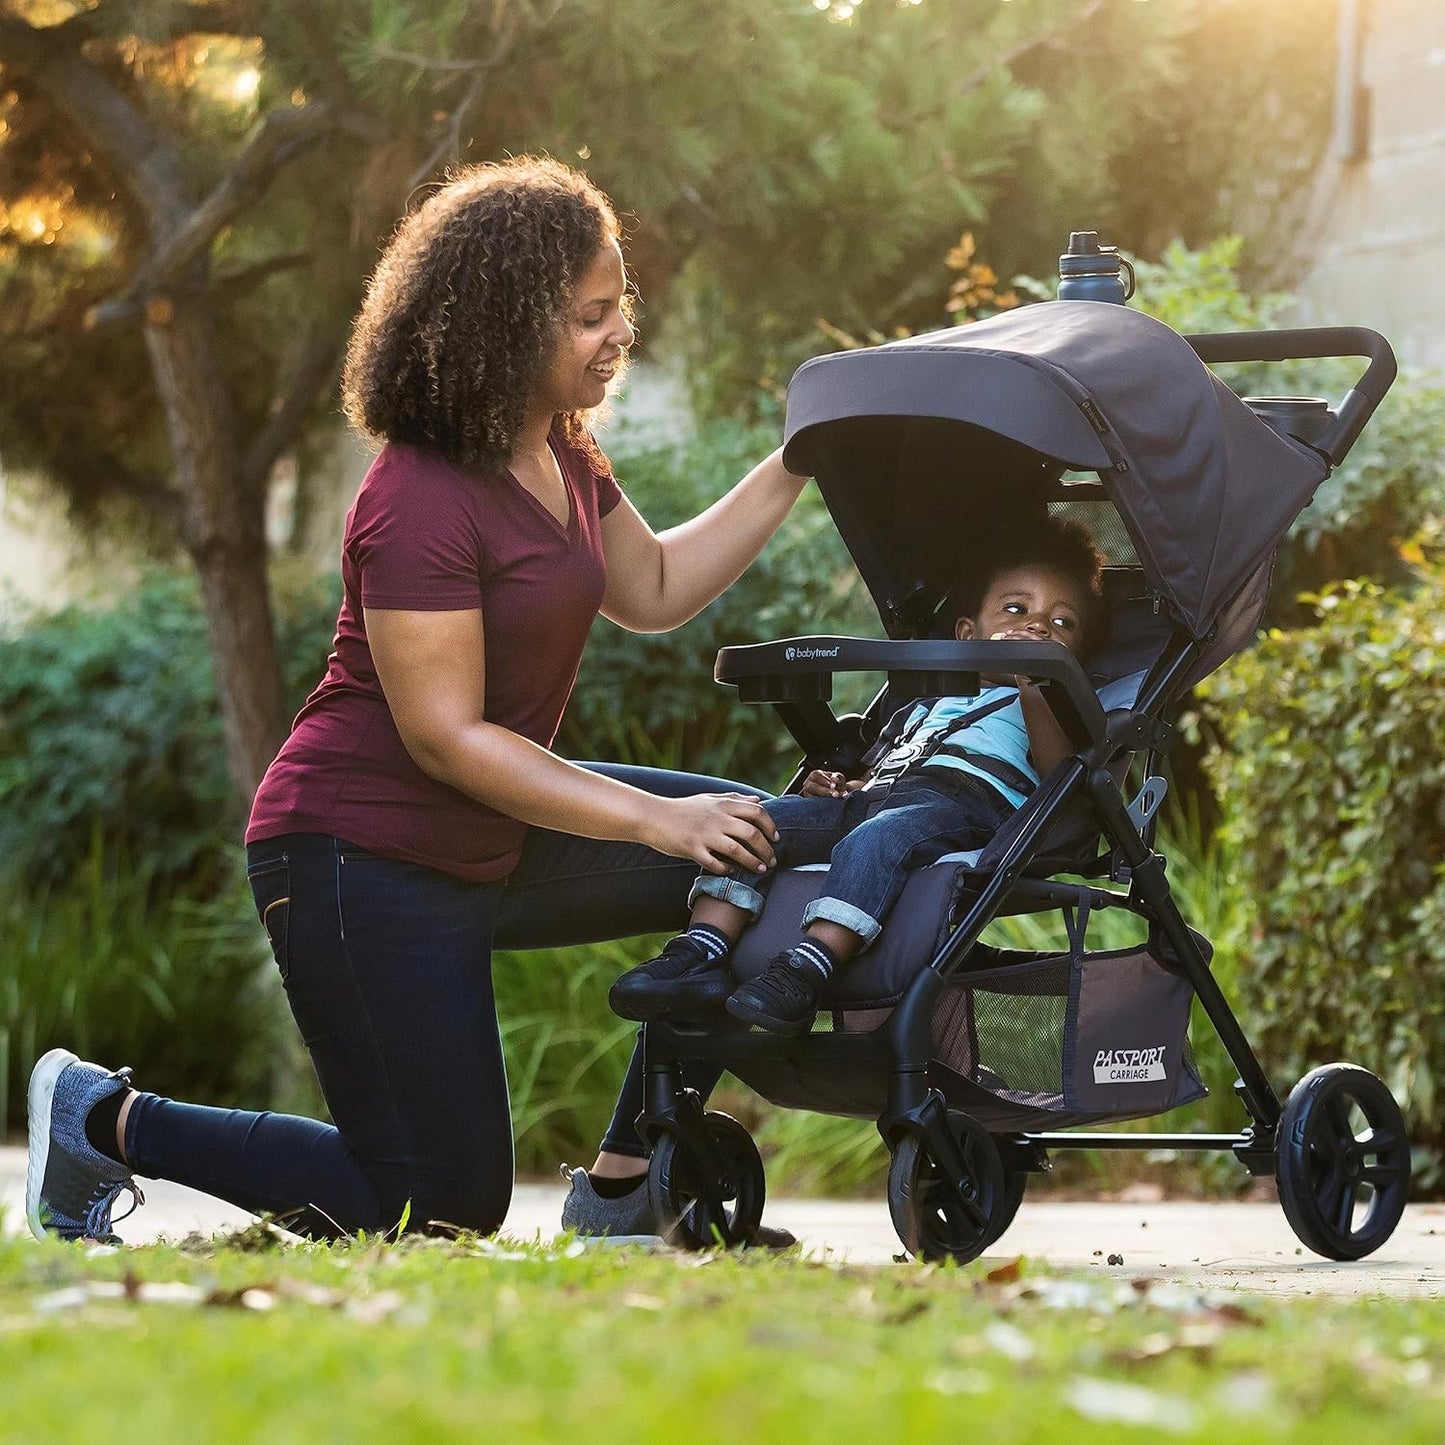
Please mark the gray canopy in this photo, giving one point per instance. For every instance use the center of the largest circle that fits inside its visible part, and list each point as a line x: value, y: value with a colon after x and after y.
x: 921, y: 443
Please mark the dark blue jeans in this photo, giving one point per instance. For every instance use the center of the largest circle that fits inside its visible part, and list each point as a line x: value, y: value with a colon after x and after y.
x: 872, y: 842
x: 387, y: 968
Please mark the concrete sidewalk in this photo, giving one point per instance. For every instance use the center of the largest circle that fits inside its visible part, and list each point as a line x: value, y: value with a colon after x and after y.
x: 1217, y: 1246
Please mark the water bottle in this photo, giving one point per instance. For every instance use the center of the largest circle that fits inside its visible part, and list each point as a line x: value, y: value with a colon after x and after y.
x: 1091, y: 272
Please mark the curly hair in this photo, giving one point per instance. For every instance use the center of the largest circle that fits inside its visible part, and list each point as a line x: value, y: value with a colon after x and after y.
x: 1053, y: 542
x: 463, y: 311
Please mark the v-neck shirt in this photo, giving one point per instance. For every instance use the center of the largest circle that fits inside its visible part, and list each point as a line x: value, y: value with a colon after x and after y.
x: 424, y: 535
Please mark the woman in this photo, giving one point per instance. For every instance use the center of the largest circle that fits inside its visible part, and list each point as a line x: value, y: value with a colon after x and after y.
x: 388, y: 834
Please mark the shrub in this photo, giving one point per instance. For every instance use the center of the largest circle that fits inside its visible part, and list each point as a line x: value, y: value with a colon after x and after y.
x: 111, y: 965
x: 1331, y: 774
x: 108, y: 724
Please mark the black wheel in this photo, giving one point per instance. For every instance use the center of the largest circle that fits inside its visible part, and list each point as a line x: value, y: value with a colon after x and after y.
x: 1015, y: 1181
x: 1342, y: 1161
x: 696, y: 1211
x: 930, y: 1221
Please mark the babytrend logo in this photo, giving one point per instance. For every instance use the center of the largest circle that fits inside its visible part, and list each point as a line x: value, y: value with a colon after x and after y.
x: 808, y: 654
x: 790, y: 653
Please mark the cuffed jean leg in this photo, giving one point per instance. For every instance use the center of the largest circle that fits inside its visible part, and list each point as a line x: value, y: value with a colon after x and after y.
x: 915, y: 826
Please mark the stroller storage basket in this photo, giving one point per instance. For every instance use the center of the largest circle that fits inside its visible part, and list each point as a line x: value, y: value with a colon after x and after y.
x: 1066, y: 1038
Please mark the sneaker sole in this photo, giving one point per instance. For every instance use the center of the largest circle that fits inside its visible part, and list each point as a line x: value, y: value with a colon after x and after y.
x: 38, y: 1102
x: 773, y: 1025
x: 671, y: 1004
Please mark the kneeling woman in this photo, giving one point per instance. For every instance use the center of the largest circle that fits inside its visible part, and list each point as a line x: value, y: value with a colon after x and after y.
x: 486, y: 537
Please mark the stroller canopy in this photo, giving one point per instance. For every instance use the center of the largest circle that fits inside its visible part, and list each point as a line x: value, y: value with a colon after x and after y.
x: 918, y: 445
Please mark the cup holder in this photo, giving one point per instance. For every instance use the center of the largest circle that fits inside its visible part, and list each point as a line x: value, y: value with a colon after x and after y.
x: 1303, y: 417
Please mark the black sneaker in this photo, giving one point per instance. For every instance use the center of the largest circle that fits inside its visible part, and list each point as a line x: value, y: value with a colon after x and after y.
x: 680, y: 983
x: 783, y: 998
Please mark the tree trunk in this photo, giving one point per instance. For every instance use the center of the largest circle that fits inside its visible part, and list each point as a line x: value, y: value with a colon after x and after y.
x: 222, y: 529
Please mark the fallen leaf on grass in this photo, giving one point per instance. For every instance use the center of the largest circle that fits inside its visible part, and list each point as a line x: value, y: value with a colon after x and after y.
x: 1097, y: 1399
x: 371, y: 1309
x: 1006, y: 1273
x: 1198, y: 1340
x: 1009, y: 1341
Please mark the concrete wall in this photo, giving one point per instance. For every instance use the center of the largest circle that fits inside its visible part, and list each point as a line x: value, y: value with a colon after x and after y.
x: 1381, y: 253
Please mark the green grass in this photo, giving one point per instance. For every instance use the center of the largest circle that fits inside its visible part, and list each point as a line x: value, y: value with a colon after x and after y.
x: 434, y: 1340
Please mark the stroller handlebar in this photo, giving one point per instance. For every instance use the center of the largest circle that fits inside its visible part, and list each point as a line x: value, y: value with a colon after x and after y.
x: 800, y: 670
x: 1307, y: 343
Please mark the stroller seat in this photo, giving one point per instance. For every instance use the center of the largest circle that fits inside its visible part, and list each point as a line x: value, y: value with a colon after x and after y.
x: 918, y: 924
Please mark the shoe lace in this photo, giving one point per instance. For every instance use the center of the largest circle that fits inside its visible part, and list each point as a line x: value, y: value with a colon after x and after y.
x: 781, y: 980
x: 98, y: 1216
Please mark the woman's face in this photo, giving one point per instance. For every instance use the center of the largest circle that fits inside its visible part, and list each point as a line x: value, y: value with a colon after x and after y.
x: 591, y: 345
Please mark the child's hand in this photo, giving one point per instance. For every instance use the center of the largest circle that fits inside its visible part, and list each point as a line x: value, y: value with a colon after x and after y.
x: 823, y: 784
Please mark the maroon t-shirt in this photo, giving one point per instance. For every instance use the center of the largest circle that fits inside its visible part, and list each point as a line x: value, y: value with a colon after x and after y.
x: 426, y: 536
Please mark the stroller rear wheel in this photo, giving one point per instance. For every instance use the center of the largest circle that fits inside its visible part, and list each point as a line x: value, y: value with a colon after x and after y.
x: 1342, y: 1161
x: 700, y: 1203
x: 931, y: 1220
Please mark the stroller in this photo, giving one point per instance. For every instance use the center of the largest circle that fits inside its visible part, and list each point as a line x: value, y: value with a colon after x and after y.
x: 975, y: 1059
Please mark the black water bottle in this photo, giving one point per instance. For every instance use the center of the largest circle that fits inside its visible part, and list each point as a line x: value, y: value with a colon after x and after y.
x: 1091, y: 272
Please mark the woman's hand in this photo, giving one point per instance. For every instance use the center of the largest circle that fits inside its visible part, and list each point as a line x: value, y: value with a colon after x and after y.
x: 718, y: 831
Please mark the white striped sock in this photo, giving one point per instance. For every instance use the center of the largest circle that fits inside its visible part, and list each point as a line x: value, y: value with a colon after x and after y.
x: 811, y: 952
x: 712, y: 940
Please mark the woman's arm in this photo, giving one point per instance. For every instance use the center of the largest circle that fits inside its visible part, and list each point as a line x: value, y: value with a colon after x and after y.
x: 432, y: 669
x: 656, y: 582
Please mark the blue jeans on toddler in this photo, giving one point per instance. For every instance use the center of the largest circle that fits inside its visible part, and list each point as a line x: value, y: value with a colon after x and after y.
x: 872, y: 840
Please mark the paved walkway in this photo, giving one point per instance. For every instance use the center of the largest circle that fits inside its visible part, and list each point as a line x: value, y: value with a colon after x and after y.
x: 1219, y: 1246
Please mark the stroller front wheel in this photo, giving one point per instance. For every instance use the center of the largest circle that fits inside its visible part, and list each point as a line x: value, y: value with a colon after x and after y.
x: 707, y: 1192
x: 1342, y: 1161
x: 933, y: 1222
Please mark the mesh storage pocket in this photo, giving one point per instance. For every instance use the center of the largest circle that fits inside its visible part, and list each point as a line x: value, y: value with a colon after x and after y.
x: 1073, y: 1036
x: 1004, y: 1030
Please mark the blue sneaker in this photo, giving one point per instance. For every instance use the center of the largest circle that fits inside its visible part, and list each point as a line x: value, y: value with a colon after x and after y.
x: 70, y: 1186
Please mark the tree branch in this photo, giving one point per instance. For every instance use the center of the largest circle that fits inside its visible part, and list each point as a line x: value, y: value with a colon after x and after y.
x: 314, y: 371
x: 283, y: 135
x: 451, y: 143
x: 100, y: 116
x: 227, y: 286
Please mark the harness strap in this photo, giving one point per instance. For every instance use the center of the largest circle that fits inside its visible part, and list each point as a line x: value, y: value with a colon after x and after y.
x: 1006, y: 773
x: 887, y: 773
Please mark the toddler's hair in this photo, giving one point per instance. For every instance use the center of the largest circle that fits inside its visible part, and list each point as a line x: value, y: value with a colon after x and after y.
x: 1051, y: 540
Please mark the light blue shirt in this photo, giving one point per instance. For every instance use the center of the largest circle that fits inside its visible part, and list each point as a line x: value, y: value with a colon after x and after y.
x: 1002, y: 735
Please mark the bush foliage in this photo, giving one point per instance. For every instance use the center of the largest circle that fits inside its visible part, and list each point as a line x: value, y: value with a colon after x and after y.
x: 1331, y: 773
x: 113, y: 966
x: 109, y: 727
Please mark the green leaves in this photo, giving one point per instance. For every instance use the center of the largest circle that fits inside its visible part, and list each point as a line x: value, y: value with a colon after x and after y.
x: 109, y: 727
x: 1331, y: 774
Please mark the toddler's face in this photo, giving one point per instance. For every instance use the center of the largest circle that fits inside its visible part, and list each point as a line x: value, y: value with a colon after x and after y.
x: 1032, y: 602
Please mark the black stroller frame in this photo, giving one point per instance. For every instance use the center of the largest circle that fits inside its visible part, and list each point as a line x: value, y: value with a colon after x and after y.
x: 955, y: 1183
